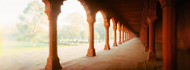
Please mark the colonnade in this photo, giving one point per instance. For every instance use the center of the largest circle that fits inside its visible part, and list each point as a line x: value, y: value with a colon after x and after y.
x: 169, y: 30
x: 52, y: 9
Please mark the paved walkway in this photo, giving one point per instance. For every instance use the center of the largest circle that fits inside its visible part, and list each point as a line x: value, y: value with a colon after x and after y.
x: 36, y: 60
x: 126, y: 56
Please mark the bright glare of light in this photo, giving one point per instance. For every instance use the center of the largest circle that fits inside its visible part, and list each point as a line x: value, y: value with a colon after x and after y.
x: 98, y: 16
x: 70, y: 6
x: 10, y: 9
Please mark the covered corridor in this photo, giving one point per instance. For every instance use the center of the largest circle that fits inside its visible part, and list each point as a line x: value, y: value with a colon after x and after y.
x: 119, y: 58
x: 153, y: 35
x: 154, y: 21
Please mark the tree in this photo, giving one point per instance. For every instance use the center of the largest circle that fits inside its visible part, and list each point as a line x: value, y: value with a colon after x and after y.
x: 111, y: 31
x: 96, y: 36
x: 33, y: 24
x: 84, y: 33
x: 76, y: 26
x: 99, y: 27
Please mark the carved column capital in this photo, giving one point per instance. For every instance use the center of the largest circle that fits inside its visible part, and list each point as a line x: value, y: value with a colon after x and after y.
x: 91, y: 19
x: 167, y: 3
x: 52, y: 8
x: 106, y: 24
x: 114, y: 26
x: 151, y: 19
x: 123, y: 27
x: 119, y: 26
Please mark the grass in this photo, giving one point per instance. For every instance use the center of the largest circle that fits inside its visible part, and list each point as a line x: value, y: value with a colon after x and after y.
x: 12, y: 47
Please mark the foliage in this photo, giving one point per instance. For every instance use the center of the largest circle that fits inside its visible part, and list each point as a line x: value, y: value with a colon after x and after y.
x: 33, y: 24
x: 99, y: 28
x: 75, y: 29
x: 33, y: 27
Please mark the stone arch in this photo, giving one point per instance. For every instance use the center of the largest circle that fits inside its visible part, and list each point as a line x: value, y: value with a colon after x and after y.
x: 105, y: 17
x: 90, y: 13
x: 113, y: 19
x: 114, y: 23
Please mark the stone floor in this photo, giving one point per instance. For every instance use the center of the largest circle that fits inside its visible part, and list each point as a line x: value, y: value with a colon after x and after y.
x: 127, y: 56
x: 36, y: 60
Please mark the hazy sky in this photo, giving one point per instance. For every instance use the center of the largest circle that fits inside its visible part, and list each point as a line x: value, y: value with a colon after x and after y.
x: 10, y: 9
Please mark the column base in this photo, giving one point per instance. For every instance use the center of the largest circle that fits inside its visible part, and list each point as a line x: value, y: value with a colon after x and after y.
x: 115, y: 44
x: 146, y: 48
x: 151, y: 56
x: 123, y: 41
x: 91, y: 52
x: 53, y: 64
x: 119, y: 42
x: 107, y: 47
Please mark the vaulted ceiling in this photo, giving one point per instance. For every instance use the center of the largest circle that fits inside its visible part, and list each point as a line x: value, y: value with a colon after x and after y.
x: 130, y: 10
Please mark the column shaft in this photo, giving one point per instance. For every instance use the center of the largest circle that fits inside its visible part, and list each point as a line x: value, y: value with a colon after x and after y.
x: 115, y: 38
x: 119, y: 29
x: 151, y: 52
x: 107, y: 47
x: 91, y: 50
x: 52, y: 12
x: 123, y: 36
x: 169, y: 46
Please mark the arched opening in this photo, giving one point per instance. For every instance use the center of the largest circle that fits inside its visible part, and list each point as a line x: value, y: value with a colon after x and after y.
x: 73, y: 31
x: 111, y: 33
x: 117, y: 32
x: 27, y: 34
x: 99, y: 32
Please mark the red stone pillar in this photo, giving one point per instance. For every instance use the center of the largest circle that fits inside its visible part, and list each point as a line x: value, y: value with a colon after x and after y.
x: 91, y: 50
x: 151, y: 52
x: 146, y: 38
x: 127, y: 35
x: 107, y: 25
x: 169, y: 39
x: 119, y: 29
x: 52, y: 9
x: 123, y: 34
x: 115, y: 34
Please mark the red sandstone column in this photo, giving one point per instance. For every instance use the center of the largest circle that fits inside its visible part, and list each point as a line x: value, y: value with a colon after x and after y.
x: 91, y: 50
x: 169, y: 39
x: 151, y: 52
x: 146, y: 38
x: 52, y: 9
x: 119, y: 29
x: 127, y: 35
x: 115, y: 36
x: 107, y: 25
x: 123, y: 34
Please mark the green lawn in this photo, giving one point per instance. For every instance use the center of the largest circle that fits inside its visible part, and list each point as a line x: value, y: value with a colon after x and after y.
x: 11, y: 47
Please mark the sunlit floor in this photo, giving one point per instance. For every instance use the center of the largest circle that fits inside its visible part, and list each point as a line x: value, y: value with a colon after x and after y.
x: 126, y: 56
x: 129, y: 55
x: 36, y: 59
